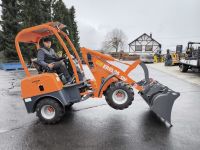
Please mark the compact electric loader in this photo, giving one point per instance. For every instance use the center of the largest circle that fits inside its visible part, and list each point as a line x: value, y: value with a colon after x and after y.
x: 45, y: 93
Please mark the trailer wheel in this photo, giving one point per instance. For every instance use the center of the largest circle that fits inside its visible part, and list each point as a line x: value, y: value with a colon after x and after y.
x: 183, y: 68
x: 119, y: 95
x: 49, y: 111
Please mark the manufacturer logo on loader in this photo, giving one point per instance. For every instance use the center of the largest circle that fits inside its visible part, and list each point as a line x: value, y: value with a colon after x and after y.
x: 110, y: 69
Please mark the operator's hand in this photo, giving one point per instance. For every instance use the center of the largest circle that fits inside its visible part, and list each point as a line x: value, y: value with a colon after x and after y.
x: 51, y: 65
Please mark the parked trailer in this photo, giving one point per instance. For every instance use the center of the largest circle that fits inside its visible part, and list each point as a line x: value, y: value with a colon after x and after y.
x: 192, y: 58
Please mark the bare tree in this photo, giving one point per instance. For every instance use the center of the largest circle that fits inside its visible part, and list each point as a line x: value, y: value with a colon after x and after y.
x: 116, y: 39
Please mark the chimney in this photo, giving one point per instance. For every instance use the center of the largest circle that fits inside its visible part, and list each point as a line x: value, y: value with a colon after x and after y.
x: 150, y: 34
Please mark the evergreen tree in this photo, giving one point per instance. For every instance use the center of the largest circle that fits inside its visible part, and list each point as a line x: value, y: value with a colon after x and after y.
x: 67, y: 17
x: 1, y: 37
x: 19, y: 14
x: 59, y: 11
x: 47, y: 10
x: 61, y: 14
x: 74, y: 34
x: 10, y: 27
x: 33, y: 13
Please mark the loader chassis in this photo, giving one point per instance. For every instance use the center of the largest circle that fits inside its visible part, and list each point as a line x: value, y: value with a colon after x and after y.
x: 46, y: 94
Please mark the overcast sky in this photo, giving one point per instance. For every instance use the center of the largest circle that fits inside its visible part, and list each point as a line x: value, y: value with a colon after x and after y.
x: 171, y: 22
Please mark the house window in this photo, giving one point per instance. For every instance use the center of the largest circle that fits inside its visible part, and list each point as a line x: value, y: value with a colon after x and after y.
x: 138, y: 48
x: 149, y: 48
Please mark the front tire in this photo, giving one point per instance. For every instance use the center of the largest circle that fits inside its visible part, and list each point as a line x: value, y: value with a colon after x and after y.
x: 119, y: 95
x: 49, y: 111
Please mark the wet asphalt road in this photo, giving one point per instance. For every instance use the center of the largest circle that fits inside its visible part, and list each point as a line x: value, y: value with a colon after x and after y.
x: 92, y: 124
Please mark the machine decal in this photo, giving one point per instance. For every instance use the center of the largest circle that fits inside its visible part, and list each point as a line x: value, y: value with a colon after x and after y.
x: 110, y: 69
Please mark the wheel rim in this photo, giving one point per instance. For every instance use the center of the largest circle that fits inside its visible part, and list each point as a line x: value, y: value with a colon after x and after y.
x: 48, y: 112
x: 119, y: 96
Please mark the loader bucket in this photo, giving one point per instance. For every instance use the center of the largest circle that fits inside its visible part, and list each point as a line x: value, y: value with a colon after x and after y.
x: 159, y: 98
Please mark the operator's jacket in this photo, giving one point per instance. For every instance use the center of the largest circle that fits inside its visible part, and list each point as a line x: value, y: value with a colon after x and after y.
x: 46, y: 56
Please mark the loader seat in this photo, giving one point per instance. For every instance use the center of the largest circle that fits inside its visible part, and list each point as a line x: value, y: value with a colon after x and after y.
x: 38, y: 67
x: 41, y: 69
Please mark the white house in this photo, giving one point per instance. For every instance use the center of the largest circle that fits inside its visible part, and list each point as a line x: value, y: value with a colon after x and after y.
x: 144, y: 44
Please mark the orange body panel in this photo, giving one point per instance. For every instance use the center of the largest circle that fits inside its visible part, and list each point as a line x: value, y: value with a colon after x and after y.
x: 30, y: 86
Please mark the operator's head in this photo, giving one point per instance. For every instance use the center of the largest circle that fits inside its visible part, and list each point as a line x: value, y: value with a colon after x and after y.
x: 47, y: 42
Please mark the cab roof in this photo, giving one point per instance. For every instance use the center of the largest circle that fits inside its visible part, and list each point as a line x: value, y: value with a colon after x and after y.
x: 34, y: 34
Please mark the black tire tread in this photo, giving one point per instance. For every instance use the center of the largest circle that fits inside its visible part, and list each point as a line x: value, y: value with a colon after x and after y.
x: 183, y: 68
x: 69, y: 106
x: 118, y: 85
x: 59, y: 111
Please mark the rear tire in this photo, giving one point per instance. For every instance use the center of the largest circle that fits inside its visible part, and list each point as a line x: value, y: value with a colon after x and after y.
x: 183, y: 68
x: 49, y: 111
x: 119, y: 95
x: 69, y: 106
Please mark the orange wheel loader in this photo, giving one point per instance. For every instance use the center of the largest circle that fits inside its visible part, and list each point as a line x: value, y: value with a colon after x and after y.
x: 46, y: 94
